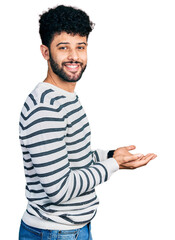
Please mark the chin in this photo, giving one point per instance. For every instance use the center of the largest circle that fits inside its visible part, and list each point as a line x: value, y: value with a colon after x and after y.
x: 73, y: 78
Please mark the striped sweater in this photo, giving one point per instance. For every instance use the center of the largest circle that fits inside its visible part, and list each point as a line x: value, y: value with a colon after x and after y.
x: 60, y: 168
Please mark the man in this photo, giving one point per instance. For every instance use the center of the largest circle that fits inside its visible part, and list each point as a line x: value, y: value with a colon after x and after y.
x: 61, y: 170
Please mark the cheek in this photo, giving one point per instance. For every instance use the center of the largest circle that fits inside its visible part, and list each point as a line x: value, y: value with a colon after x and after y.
x: 59, y: 60
x: 84, y: 58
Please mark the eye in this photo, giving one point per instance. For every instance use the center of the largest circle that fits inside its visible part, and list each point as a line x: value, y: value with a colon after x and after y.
x: 63, y: 48
x: 81, y: 47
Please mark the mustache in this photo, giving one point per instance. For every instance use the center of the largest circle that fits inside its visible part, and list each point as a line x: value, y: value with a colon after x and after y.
x: 76, y: 62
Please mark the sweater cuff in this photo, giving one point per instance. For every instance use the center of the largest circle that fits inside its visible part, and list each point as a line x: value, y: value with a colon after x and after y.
x: 111, y: 166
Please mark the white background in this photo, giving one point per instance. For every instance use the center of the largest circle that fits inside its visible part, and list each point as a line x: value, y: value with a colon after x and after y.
x: 128, y: 94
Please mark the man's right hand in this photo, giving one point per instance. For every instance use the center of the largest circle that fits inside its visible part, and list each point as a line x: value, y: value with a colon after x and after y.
x: 126, y: 160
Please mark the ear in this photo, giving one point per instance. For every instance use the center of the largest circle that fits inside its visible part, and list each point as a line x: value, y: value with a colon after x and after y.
x: 45, y: 51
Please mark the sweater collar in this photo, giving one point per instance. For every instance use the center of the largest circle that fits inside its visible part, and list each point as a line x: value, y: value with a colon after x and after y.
x: 59, y: 90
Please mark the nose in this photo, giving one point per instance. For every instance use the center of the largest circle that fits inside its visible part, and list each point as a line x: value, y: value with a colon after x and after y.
x: 73, y: 55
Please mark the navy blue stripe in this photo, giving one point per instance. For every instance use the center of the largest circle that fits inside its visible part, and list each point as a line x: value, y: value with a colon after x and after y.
x: 44, y: 119
x: 41, y: 154
x: 82, y: 203
x: 30, y: 213
x: 25, y: 153
x: 73, y: 111
x: 85, y: 166
x: 97, y: 157
x: 51, y: 210
x: 55, y: 182
x: 26, y: 106
x: 31, y: 176
x: 79, y: 140
x: 77, y: 222
x: 51, y: 110
x: 44, y: 94
x: 98, y: 173
x: 40, y: 109
x: 41, y: 216
x: 80, y: 159
x: 33, y: 183
x: 78, y: 120
x: 58, y: 202
x: 54, y: 172
x: 61, y: 187
x: 79, y: 149
x: 87, y: 193
x: 33, y: 99
x: 69, y: 103
x: 48, y: 210
x: 73, y: 190
x: 88, y: 182
x: 46, y: 164
x: 35, y: 191
x: 27, y: 160
x: 81, y: 185
x: 78, y: 204
x: 49, y: 174
x: 43, y: 131
x: 81, y: 214
x: 52, y: 119
x: 28, y: 168
x: 55, y: 99
x: 78, y: 131
x: 106, y: 173
x: 43, y: 142
x: 36, y: 199
x: 92, y: 177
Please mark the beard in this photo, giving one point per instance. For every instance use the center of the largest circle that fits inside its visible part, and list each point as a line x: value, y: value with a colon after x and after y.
x: 59, y: 71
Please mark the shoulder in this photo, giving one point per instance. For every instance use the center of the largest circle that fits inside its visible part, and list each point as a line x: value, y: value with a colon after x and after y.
x: 46, y: 99
x: 42, y: 107
x: 42, y: 100
x: 43, y: 95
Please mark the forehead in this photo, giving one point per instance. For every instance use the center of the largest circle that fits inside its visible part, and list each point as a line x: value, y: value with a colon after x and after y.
x: 68, y: 38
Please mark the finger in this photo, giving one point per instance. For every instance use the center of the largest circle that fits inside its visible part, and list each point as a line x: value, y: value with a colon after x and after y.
x: 143, y: 157
x: 154, y: 156
x: 149, y: 156
x: 130, y: 147
x: 139, y: 163
x: 142, y: 160
x: 132, y: 157
x: 145, y: 160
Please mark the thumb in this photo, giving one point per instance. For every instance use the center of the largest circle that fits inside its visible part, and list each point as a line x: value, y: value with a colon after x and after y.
x: 131, y: 147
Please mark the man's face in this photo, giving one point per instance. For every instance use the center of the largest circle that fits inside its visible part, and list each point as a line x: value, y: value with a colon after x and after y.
x: 68, y: 56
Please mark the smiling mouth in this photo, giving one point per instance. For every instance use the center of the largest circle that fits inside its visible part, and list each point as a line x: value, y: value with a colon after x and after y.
x: 72, y: 66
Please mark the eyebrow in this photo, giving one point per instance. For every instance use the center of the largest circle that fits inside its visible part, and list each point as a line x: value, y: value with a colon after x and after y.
x: 69, y: 43
x: 82, y: 43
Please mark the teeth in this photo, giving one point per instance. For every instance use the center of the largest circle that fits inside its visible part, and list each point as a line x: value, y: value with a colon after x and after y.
x: 72, y: 66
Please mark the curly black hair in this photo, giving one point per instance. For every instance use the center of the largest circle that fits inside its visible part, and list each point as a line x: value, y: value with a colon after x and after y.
x: 63, y: 19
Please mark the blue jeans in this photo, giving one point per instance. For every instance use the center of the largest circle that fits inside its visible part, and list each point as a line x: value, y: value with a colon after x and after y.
x: 30, y: 233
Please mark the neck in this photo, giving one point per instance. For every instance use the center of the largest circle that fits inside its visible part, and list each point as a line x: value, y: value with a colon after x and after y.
x: 52, y: 78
